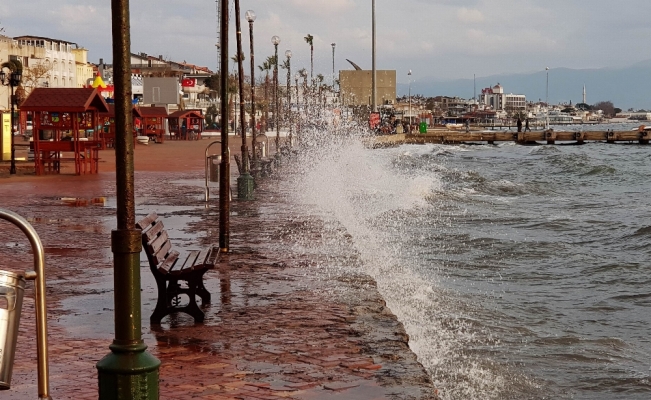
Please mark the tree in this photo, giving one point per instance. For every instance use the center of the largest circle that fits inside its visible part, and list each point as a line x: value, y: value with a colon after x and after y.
x: 617, y: 110
x: 309, y: 39
x: 32, y: 76
x: 606, y: 107
x: 266, y: 67
x: 583, y: 107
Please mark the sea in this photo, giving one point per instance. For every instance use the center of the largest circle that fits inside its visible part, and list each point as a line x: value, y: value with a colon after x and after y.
x: 518, y: 271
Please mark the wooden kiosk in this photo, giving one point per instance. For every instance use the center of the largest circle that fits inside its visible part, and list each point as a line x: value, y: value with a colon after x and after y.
x: 107, y: 120
x: 67, y: 128
x: 152, y: 123
x: 186, y: 124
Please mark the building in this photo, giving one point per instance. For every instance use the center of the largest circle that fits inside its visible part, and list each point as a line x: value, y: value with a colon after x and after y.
x: 85, y: 71
x: 12, y: 49
x: 356, y: 87
x: 58, y: 62
x: 496, y: 99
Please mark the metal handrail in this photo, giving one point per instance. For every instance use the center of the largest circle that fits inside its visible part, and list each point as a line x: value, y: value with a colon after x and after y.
x: 41, y: 311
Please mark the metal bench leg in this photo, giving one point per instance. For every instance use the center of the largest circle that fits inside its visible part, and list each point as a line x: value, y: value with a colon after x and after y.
x: 202, y: 291
x: 162, y: 307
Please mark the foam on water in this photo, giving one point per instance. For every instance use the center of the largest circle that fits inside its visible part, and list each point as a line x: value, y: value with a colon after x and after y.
x: 359, y: 191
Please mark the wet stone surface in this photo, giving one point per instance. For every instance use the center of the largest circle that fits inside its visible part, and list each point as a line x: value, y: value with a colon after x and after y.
x: 279, y: 326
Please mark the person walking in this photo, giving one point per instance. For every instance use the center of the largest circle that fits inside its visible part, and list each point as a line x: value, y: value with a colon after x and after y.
x: 519, y: 125
x: 526, y: 125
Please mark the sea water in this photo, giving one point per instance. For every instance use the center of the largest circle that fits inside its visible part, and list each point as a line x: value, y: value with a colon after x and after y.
x: 519, y: 272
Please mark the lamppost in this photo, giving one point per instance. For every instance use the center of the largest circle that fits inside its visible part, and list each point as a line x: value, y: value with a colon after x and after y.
x: 298, y: 108
x: 288, y: 54
x: 333, y: 65
x: 409, y: 75
x: 250, y: 17
x: 374, y: 72
x: 547, y: 100
x: 12, y: 80
x: 275, y: 40
x: 245, y: 180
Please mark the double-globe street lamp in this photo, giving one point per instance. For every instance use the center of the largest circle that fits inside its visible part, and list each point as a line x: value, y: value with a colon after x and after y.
x: 245, y: 180
x: 333, y: 66
x: 250, y: 17
x: 288, y: 54
x: 547, y: 100
x: 275, y: 40
x: 12, y: 80
x: 409, y: 74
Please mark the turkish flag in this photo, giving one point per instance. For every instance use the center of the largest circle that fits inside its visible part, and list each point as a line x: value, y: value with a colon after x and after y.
x: 187, y: 82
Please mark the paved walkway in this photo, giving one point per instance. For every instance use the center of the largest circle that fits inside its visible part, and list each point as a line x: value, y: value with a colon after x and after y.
x: 279, y: 326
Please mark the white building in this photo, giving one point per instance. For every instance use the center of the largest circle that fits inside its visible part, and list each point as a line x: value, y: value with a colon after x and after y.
x: 496, y: 99
x: 59, y: 58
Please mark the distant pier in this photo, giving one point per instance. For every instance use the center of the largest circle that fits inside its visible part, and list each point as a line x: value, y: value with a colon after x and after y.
x: 641, y: 136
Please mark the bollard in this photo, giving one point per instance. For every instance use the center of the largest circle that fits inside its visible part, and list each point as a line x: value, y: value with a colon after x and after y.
x: 12, y: 288
x: 11, y: 292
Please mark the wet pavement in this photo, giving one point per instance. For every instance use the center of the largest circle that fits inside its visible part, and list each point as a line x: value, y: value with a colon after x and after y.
x: 278, y: 326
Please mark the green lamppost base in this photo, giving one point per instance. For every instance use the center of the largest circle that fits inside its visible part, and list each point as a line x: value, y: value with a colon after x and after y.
x: 245, y: 186
x: 129, y: 372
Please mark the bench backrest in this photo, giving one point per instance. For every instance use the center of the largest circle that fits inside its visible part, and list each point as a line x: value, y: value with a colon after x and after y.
x: 157, y: 245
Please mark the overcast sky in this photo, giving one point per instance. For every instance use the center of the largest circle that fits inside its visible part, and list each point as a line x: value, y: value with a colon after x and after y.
x: 444, y: 39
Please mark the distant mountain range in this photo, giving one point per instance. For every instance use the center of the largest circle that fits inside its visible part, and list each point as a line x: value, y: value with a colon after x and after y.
x: 627, y: 87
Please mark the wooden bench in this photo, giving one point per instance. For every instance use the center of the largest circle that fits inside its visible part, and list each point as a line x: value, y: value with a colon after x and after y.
x: 175, y: 275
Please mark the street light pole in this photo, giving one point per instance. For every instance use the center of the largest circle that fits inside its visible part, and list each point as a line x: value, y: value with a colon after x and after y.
x: 250, y: 17
x: 333, y: 66
x: 129, y: 371
x: 225, y: 166
x: 275, y: 40
x: 374, y: 83
x: 409, y: 74
x: 245, y: 180
x: 288, y: 54
x: 547, y: 100
x: 12, y: 80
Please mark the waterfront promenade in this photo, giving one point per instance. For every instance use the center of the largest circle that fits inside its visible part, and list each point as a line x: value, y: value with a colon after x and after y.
x: 278, y: 326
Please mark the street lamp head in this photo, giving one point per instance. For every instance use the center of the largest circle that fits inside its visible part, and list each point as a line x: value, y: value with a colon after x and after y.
x: 2, y: 76
x: 250, y: 16
x: 288, y: 54
x: 546, y: 68
x: 16, y: 77
x: 409, y: 72
x: 333, y: 45
x: 275, y: 40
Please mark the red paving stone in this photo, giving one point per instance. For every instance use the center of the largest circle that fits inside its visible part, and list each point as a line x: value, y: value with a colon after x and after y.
x: 274, y: 329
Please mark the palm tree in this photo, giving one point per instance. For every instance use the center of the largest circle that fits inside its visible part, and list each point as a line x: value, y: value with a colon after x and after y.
x: 309, y: 39
x: 266, y: 67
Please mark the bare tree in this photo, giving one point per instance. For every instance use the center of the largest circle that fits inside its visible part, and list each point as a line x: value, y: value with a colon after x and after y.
x: 606, y: 107
x: 34, y: 76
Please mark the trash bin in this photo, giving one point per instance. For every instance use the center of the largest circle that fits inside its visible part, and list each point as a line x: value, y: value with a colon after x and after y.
x: 422, y: 128
x: 213, y: 167
x: 12, y: 288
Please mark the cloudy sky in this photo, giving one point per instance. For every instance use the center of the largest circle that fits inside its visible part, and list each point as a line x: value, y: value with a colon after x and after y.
x: 444, y: 39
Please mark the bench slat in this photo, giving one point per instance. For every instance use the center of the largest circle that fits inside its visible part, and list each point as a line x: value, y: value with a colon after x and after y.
x: 147, y: 221
x: 190, y: 260
x: 166, y: 266
x: 159, y: 241
x: 160, y: 255
x: 154, y: 231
